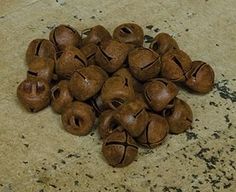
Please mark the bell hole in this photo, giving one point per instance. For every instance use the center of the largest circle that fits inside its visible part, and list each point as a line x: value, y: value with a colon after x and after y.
x: 167, y: 112
x: 91, y: 56
x: 126, y: 82
x: 113, y: 125
x: 148, y: 65
x: 32, y: 73
x: 176, y: 60
x: 155, y: 46
x: 82, y: 75
x: 56, y: 93
x: 79, y: 59
x: 147, y: 96
x: 94, y: 104
x: 163, y: 81
x: 138, y: 113
x: 125, y: 30
x: 172, y: 102
x: 117, y: 102
x: 68, y: 27
x: 58, y: 54
x: 194, y: 74
x: 38, y: 48
x: 77, y: 121
x: 86, y: 32
x: 67, y: 76
x: 106, y: 55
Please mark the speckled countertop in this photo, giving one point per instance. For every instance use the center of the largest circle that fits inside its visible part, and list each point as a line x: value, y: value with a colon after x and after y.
x: 37, y: 155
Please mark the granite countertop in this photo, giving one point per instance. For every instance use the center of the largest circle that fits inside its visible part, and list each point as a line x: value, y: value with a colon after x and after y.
x: 38, y: 155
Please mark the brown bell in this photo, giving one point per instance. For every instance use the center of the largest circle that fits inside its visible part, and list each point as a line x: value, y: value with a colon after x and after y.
x: 87, y: 82
x: 78, y: 118
x: 180, y: 117
x: 125, y: 73
x: 163, y: 43
x: 175, y: 65
x: 34, y: 94
x: 107, y: 124
x: 61, y: 96
x: 111, y: 55
x: 167, y: 110
x: 119, y: 149
x: 133, y: 117
x: 41, y: 68
x: 201, y: 77
x: 40, y: 48
x: 129, y: 33
x: 89, y: 50
x: 159, y: 92
x: 95, y: 35
x: 155, y: 133
x: 63, y: 36
x: 144, y: 63
x: 116, y: 91
x: 71, y: 60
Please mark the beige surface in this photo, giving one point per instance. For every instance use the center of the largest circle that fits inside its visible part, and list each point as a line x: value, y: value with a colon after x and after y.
x: 36, y: 154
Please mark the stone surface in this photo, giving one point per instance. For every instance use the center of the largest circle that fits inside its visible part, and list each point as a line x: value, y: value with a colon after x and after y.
x: 38, y: 155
